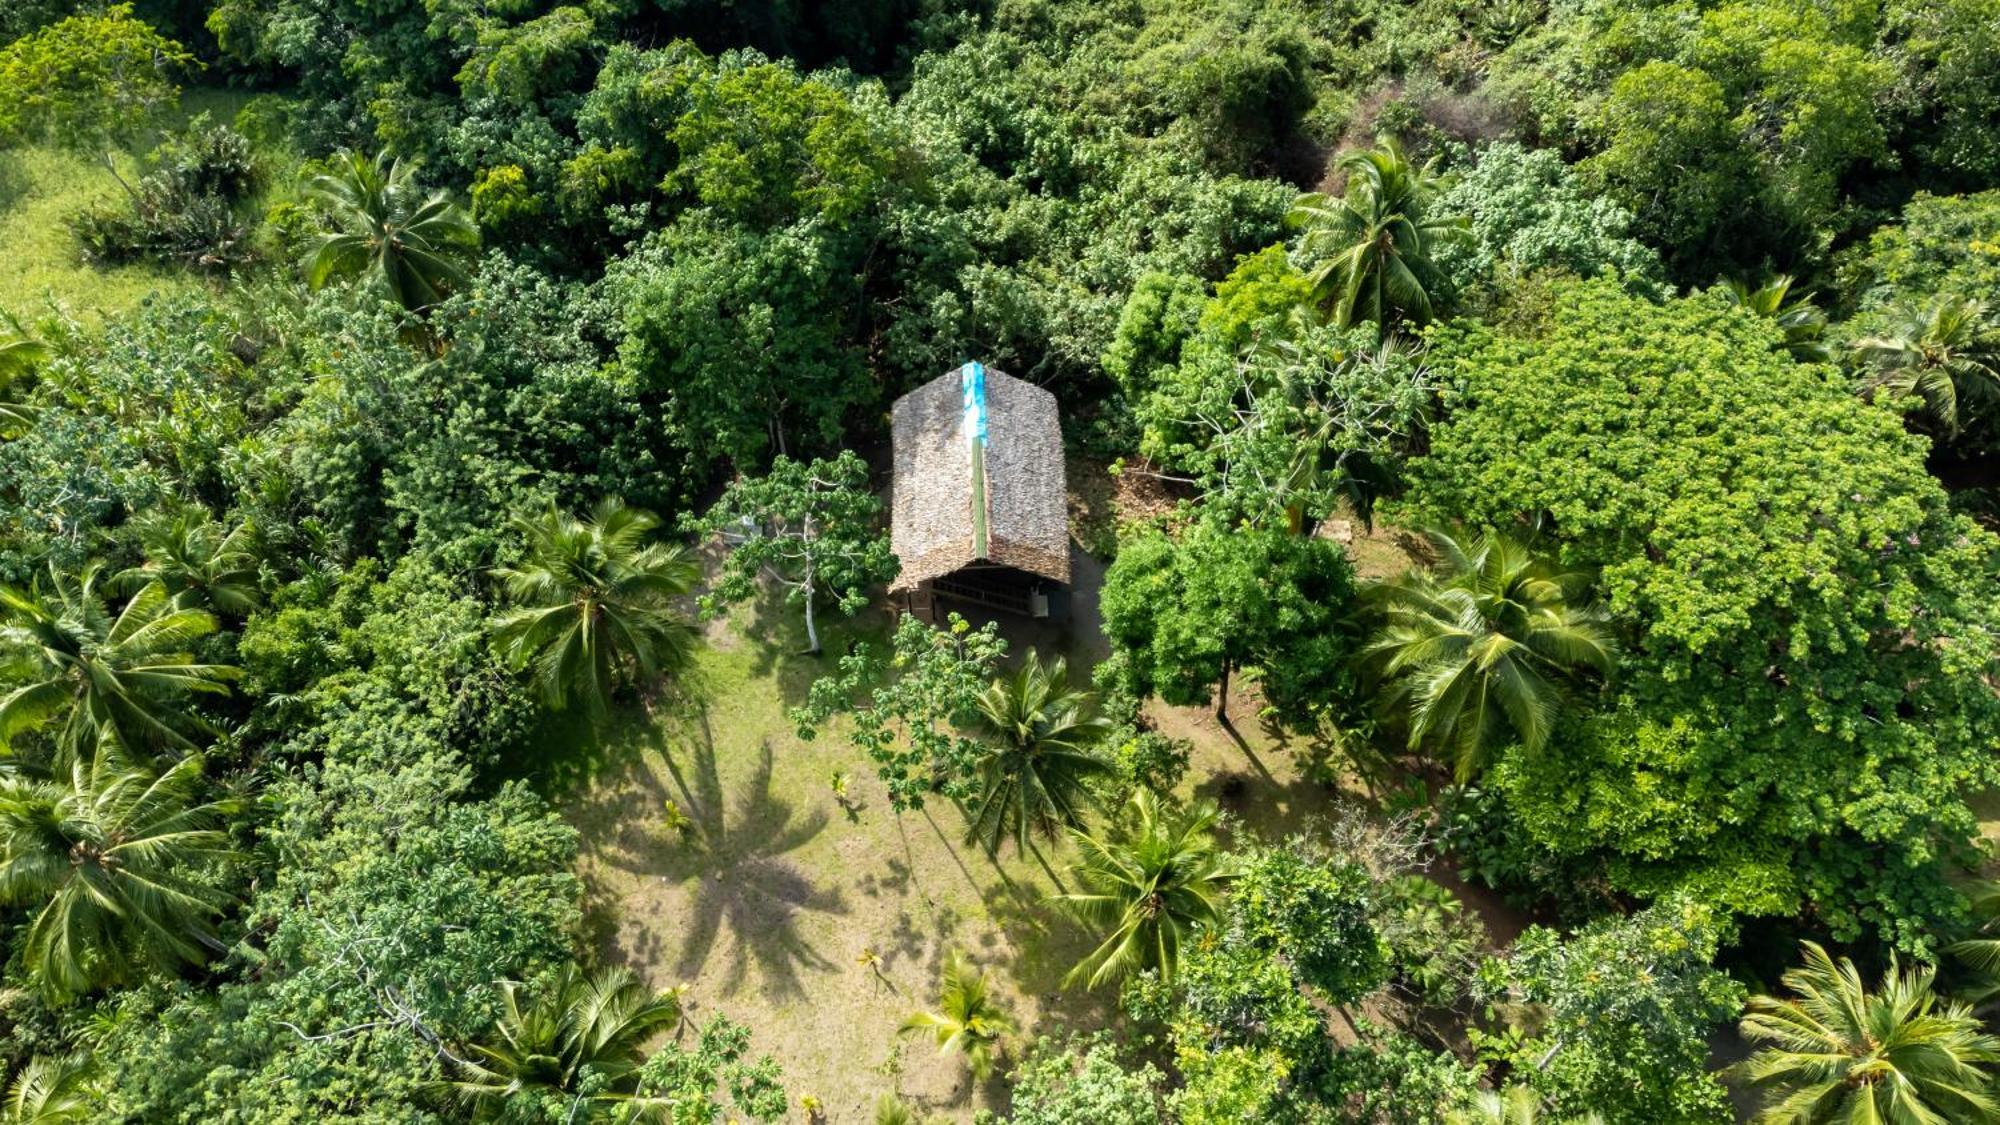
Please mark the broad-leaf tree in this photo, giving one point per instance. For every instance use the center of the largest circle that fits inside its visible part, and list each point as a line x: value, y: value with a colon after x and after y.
x: 1616, y: 1017
x: 1148, y: 881
x: 1487, y: 636
x: 1035, y: 775
x: 1805, y: 612
x: 967, y: 1020
x: 1836, y: 1052
x: 113, y: 861
x: 811, y: 527
x: 595, y: 604
x: 1945, y: 353
x: 383, y: 229
x: 918, y: 700
x: 1187, y: 612
x: 119, y: 680
x: 91, y: 83
x: 1372, y: 244
x: 567, y: 1049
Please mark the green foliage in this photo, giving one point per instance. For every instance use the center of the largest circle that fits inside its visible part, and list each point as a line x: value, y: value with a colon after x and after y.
x: 188, y: 211
x: 1942, y: 245
x: 1772, y: 728
x: 89, y: 82
x: 810, y: 527
x: 1083, y: 1080
x: 1730, y: 132
x: 1279, y: 418
x: 1316, y: 912
x: 1617, y: 1015
x: 1949, y: 55
x: 1433, y: 940
x: 1243, y: 1013
x: 760, y: 146
x: 692, y: 295
x: 690, y: 1075
x: 1189, y: 610
x: 117, y: 865
x: 1527, y: 211
x: 1150, y: 879
x: 384, y: 850
x: 928, y: 688
x: 1839, y: 1052
x: 595, y: 604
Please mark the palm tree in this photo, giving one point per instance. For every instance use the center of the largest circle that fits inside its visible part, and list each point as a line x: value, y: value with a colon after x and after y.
x: 1517, y: 1105
x: 1148, y: 883
x: 50, y: 1091
x: 1839, y: 1053
x: 120, y: 680
x: 111, y: 859
x: 1489, y: 633
x: 581, y: 1040
x: 1803, y: 323
x: 967, y: 1018
x: 596, y: 601
x: 382, y: 226
x: 1035, y: 774
x: 17, y: 357
x: 1981, y: 952
x: 200, y: 564
x: 1943, y: 353
x: 1373, y: 243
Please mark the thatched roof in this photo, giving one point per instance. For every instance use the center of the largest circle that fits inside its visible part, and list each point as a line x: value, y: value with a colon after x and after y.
x: 944, y: 470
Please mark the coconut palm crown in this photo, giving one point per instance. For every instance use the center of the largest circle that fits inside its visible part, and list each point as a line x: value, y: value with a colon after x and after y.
x: 1837, y: 1052
x: 1486, y: 636
x: 1035, y: 775
x: 595, y: 604
x: 111, y: 860
x: 120, y: 680
x: 1945, y: 353
x: 1148, y: 883
x: 578, y: 1041
x: 384, y: 229
x: 1373, y: 242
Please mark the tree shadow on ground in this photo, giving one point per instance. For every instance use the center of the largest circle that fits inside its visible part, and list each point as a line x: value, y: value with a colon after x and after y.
x: 775, y: 630
x: 563, y: 752
x: 1264, y: 807
x: 733, y: 857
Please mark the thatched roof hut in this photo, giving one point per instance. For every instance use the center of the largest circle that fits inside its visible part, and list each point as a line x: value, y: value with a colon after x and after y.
x: 979, y: 487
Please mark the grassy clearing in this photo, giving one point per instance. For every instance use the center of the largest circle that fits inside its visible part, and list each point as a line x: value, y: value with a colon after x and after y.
x: 39, y: 188
x: 769, y: 907
x: 818, y: 922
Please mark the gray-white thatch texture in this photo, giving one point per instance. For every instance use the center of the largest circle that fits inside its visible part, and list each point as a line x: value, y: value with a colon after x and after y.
x: 932, y: 527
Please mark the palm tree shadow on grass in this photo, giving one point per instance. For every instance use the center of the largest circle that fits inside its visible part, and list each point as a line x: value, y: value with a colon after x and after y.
x: 737, y: 859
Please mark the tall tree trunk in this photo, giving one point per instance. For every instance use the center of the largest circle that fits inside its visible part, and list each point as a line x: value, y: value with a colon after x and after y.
x: 812, y: 630
x: 104, y: 158
x: 1222, y: 695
